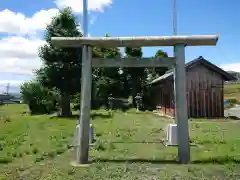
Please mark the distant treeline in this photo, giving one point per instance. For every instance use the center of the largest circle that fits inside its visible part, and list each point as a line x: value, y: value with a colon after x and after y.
x: 235, y: 74
x: 232, y: 82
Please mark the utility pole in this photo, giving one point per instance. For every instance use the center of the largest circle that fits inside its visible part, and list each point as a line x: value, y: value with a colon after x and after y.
x: 7, y: 88
x: 174, y: 3
x: 86, y: 86
x: 181, y: 112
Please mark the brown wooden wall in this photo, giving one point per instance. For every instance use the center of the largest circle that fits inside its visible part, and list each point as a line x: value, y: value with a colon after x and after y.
x: 204, y: 94
x: 164, y: 98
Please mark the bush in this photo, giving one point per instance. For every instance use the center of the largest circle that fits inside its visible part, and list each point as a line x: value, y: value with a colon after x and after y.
x: 76, y: 107
x: 76, y: 101
x: 233, y: 101
x: 40, y: 99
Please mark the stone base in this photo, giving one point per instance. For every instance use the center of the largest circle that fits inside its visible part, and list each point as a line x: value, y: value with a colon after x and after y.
x: 169, y: 144
x: 171, y: 139
x: 75, y: 164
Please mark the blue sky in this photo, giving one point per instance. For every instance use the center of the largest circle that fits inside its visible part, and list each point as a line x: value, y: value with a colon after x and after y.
x: 22, y: 22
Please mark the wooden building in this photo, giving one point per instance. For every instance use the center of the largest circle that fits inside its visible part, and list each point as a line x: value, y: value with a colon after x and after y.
x: 4, y: 97
x: 204, y: 90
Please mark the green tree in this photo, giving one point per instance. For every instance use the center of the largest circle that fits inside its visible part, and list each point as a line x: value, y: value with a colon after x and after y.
x: 151, y: 74
x: 136, y: 74
x: 39, y: 98
x: 106, y: 80
x: 161, y: 53
x: 161, y: 70
x: 61, y: 66
x: 158, y: 71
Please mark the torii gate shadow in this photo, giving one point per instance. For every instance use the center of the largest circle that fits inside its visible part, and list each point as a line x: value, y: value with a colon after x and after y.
x: 135, y: 160
x: 76, y: 116
x: 162, y: 161
x: 144, y: 160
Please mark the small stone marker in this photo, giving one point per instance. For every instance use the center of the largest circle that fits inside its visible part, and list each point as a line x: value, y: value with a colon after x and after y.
x: 110, y: 103
x: 138, y: 100
x: 171, y: 139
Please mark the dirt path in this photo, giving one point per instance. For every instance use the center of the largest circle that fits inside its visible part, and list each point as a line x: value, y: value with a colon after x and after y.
x: 235, y: 111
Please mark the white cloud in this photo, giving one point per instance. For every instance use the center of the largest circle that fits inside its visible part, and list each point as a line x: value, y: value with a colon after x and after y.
x: 76, y: 5
x: 19, y: 55
x: 231, y: 67
x: 18, y: 23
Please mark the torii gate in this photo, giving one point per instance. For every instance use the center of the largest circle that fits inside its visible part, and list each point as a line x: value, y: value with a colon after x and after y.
x: 178, y: 62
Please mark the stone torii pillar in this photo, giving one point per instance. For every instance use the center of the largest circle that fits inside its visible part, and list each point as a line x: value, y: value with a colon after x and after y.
x: 178, y: 61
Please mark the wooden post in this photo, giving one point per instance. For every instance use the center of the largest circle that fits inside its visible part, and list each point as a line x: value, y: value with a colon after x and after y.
x: 181, y: 104
x: 83, y: 145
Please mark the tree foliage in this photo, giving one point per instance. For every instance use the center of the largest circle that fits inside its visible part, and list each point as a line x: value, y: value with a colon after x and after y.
x: 61, y: 69
x: 161, y: 70
x: 40, y: 99
x: 158, y: 71
x: 136, y: 74
x: 106, y: 80
x: 61, y: 66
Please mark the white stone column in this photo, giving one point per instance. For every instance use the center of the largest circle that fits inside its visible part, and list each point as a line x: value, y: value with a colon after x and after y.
x: 83, y: 145
x: 181, y: 111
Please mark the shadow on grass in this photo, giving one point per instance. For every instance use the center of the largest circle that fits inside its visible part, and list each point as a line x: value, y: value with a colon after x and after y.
x: 217, y: 160
x: 139, y: 142
x: 73, y: 116
x: 162, y: 161
x: 76, y: 116
x: 152, y: 161
x: 101, y: 115
x: 222, y: 119
x: 232, y: 118
x: 149, y: 142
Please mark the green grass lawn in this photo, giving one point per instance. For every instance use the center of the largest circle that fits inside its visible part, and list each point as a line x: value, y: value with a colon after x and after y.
x: 232, y: 91
x: 128, y: 146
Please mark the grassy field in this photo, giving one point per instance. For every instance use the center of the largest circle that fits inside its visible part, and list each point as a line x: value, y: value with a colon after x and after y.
x: 232, y: 91
x: 128, y: 146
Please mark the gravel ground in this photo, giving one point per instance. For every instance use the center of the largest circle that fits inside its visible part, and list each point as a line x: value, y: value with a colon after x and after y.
x: 233, y: 112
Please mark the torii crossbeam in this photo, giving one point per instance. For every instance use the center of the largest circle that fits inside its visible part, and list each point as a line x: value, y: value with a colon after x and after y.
x: 178, y: 61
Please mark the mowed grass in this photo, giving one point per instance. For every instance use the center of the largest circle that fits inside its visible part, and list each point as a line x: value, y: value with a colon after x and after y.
x: 128, y: 146
x: 232, y: 91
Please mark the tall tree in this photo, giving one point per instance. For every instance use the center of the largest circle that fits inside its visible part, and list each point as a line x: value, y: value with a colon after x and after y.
x: 61, y: 66
x: 107, y: 79
x: 136, y: 74
x: 161, y: 53
x: 159, y: 71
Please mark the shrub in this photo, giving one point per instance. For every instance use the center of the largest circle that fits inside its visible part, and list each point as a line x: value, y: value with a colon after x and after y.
x: 5, y: 160
x: 75, y: 100
x: 40, y: 99
x: 99, y: 146
x: 232, y: 101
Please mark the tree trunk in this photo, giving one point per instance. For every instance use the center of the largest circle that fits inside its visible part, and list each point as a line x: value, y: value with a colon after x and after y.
x: 134, y: 90
x: 94, y: 96
x: 65, y: 105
